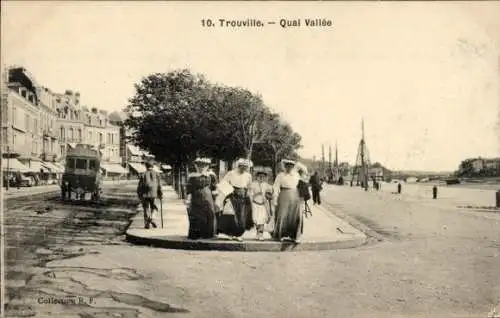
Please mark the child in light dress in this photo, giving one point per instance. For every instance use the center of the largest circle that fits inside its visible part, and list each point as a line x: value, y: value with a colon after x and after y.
x: 261, y: 195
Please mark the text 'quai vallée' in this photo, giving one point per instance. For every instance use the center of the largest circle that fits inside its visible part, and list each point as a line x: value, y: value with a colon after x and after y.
x: 252, y: 23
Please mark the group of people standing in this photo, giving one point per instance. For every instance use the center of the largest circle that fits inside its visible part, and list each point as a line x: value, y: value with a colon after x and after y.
x: 238, y: 203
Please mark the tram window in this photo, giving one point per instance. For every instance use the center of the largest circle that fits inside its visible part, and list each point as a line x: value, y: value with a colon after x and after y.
x: 70, y: 163
x: 92, y: 164
x: 81, y: 164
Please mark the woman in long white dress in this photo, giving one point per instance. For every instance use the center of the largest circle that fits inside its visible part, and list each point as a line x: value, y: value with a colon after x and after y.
x: 261, y: 193
x: 289, y: 217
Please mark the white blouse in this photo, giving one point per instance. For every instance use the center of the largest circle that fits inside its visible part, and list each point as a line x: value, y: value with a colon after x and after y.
x: 286, y: 180
x: 257, y: 187
x: 238, y: 180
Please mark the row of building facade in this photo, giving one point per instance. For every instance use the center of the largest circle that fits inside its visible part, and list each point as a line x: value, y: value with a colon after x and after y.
x: 39, y: 124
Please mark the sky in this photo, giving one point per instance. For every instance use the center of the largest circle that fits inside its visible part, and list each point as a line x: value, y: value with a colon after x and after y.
x: 424, y: 76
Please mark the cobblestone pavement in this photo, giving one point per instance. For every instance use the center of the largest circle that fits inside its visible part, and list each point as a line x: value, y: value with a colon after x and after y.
x: 424, y: 261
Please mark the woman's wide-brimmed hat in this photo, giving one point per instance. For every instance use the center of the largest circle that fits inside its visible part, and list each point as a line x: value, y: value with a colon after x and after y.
x: 260, y: 170
x: 203, y: 160
x: 300, y: 167
x: 244, y: 162
x: 288, y: 162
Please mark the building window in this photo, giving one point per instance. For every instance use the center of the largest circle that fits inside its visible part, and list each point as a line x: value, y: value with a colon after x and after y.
x: 63, y: 134
x: 27, y: 122
x: 35, y: 125
x: 81, y: 164
x: 101, y: 139
x: 79, y: 135
x: 71, y: 134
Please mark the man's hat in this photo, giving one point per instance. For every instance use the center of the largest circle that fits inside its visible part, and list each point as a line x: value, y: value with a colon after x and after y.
x: 288, y: 162
x: 244, y: 162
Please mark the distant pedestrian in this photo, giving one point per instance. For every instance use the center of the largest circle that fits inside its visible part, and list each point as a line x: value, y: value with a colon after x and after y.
x: 18, y: 178
x: 316, y: 187
x: 148, y: 189
x: 399, y: 188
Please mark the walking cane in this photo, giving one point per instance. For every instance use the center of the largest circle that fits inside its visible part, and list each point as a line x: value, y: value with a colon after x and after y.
x: 161, y: 212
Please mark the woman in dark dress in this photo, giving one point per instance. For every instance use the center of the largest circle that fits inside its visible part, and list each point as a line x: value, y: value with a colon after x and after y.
x: 200, y: 202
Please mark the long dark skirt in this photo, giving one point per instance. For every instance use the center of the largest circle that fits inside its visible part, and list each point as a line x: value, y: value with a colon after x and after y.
x: 241, y: 221
x: 201, y: 214
x: 288, y: 216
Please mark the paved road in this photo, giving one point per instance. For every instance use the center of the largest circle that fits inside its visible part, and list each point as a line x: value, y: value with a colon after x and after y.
x: 434, y: 258
x: 432, y: 262
x: 42, y: 228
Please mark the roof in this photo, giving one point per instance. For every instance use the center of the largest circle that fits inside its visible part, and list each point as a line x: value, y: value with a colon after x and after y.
x: 117, y: 116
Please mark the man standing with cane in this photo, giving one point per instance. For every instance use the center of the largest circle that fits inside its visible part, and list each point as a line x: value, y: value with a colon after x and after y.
x: 148, y: 189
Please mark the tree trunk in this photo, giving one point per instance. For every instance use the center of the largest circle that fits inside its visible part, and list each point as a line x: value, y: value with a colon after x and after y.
x: 179, y: 181
x: 249, y: 152
x: 217, y: 173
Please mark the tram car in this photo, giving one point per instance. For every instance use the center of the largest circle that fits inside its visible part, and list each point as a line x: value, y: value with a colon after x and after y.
x: 82, y: 174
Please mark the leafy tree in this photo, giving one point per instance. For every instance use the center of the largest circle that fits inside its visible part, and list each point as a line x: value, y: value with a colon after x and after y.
x: 243, y: 114
x: 167, y: 115
x: 278, y: 141
x: 466, y: 168
x: 179, y: 115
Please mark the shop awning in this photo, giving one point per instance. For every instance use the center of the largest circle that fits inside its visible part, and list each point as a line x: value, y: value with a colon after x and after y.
x: 166, y: 167
x: 72, y: 144
x: 36, y: 166
x: 138, y: 167
x: 134, y: 151
x: 59, y: 165
x: 28, y: 158
x: 113, y: 168
x: 13, y: 165
x: 52, y: 167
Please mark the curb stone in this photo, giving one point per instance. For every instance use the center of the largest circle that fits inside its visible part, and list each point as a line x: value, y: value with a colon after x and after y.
x: 178, y: 242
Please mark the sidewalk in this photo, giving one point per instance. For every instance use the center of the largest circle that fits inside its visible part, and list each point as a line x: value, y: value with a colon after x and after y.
x: 320, y: 232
